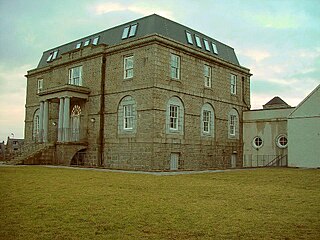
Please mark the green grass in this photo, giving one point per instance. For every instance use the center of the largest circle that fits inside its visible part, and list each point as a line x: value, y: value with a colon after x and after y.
x: 55, y: 203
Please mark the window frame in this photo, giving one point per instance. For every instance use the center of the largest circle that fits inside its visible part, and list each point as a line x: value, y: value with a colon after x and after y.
x: 95, y: 40
x: 175, y: 65
x: 189, y: 37
x: 72, y: 78
x: 214, y: 48
x: 278, y: 141
x: 127, y: 69
x: 39, y: 85
x: 78, y: 45
x: 198, y: 41
x: 128, y: 117
x: 87, y: 42
x: 133, y: 30
x: 206, y: 45
x: 232, y: 125
x: 254, y: 142
x: 174, y: 117
x: 233, y: 84
x: 206, y: 121
x: 207, y: 76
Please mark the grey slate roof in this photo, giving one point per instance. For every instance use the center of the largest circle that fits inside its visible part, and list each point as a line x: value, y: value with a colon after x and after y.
x: 276, y: 102
x: 149, y: 25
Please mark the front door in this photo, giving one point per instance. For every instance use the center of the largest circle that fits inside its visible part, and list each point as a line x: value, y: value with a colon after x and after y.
x: 75, y: 123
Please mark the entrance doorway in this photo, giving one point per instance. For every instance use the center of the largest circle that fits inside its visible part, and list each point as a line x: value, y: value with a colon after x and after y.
x: 233, y: 160
x: 174, y: 161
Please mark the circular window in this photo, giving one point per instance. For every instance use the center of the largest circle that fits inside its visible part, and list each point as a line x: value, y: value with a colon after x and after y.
x: 257, y: 142
x: 282, y: 141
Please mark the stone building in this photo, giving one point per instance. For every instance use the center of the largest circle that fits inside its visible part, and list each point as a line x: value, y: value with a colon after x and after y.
x: 150, y: 94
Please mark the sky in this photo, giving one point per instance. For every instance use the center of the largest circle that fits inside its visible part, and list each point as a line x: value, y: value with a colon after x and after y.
x: 278, y: 40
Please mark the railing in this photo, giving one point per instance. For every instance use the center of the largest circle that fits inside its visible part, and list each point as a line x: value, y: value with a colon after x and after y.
x: 264, y: 160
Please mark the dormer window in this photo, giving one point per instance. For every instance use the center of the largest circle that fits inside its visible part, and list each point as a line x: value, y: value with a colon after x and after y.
x: 78, y: 45
x: 129, y: 31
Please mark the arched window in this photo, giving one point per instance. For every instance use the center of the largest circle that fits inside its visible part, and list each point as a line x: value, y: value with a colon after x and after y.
x: 207, y: 120
x: 233, y: 124
x: 175, y: 116
x: 75, y: 123
x: 36, y: 125
x: 127, y: 115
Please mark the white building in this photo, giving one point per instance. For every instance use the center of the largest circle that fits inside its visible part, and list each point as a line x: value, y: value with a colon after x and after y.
x: 304, y: 132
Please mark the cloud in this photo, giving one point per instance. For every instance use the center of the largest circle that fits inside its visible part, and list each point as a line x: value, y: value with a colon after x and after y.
x: 143, y: 9
x: 278, y: 21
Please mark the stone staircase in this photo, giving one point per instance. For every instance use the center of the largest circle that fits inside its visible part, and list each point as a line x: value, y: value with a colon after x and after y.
x: 30, y: 154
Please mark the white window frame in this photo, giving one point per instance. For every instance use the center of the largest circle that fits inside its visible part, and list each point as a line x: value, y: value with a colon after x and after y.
x: 189, y: 37
x: 198, y: 41
x: 232, y: 125
x: 278, y: 141
x: 206, y: 45
x: 39, y: 85
x: 206, y: 121
x: 125, y: 32
x: 174, y: 117
x: 175, y: 66
x: 207, y: 76
x: 128, y: 67
x: 128, y: 117
x: 255, y: 140
x: 233, y: 84
x: 75, y: 80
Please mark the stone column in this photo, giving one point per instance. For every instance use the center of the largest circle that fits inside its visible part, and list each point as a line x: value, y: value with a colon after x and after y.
x: 66, y: 119
x: 45, y: 120
x: 40, y: 139
x: 60, y: 123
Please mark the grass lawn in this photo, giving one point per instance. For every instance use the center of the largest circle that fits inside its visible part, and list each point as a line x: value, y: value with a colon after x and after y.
x: 55, y: 203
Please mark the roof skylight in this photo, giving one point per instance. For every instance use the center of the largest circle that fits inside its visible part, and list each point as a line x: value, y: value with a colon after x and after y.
x: 189, y: 37
x: 129, y: 31
x: 125, y: 32
x: 52, y: 56
x: 206, y: 45
x: 95, y: 40
x: 78, y: 45
x: 198, y: 42
x: 214, y: 47
x: 133, y: 30
x: 86, y: 43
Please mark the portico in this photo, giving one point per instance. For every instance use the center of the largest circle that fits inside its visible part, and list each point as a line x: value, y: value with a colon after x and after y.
x: 63, y: 95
